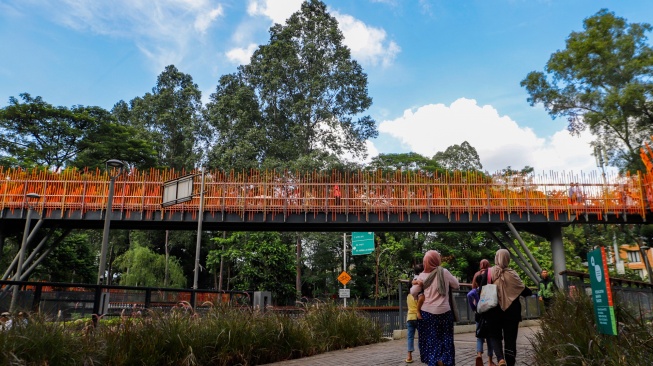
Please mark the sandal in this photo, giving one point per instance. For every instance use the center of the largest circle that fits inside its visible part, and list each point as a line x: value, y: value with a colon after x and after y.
x: 409, y: 361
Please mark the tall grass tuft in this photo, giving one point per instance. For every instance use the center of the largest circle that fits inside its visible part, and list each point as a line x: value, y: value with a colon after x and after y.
x: 569, y: 336
x: 221, y: 336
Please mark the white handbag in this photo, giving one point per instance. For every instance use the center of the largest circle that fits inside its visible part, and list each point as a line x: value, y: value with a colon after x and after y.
x: 489, y: 298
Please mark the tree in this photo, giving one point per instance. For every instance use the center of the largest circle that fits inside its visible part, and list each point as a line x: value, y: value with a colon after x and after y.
x: 404, y: 162
x: 602, y: 80
x: 459, y: 157
x: 261, y: 261
x: 170, y: 117
x: 307, y: 92
x: 140, y: 266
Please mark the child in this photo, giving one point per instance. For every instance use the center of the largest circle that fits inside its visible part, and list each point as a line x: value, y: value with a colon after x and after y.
x: 472, y: 298
x: 412, y: 316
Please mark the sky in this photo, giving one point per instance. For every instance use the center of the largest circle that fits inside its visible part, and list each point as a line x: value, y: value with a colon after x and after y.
x: 440, y: 72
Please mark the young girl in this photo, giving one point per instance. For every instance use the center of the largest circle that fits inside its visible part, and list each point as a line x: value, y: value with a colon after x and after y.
x: 413, y: 315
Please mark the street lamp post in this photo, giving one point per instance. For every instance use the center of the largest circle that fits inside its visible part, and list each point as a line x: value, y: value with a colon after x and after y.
x: 30, y: 197
x: 643, y: 246
x: 111, y: 165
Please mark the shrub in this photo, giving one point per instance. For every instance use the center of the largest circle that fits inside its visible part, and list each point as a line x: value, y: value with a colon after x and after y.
x: 222, y: 336
x: 569, y: 336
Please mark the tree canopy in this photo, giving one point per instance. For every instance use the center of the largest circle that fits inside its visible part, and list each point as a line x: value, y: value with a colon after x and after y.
x: 301, y: 93
x: 602, y: 80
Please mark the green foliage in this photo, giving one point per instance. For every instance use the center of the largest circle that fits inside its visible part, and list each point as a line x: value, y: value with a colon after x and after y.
x: 459, y: 157
x: 404, y: 162
x: 142, y: 267
x: 262, y: 261
x: 569, y: 336
x: 36, y: 133
x: 223, y: 336
x: 169, y: 118
x: 602, y: 80
x: 301, y: 93
x: 70, y: 261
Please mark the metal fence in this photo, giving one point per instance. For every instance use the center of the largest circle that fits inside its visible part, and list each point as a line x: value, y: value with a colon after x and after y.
x: 73, y: 301
x: 634, y: 295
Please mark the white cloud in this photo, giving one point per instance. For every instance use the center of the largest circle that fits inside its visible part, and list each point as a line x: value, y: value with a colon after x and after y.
x: 165, y: 30
x: 203, y: 21
x: 277, y: 10
x: 368, y: 44
x: 241, y: 56
x: 499, y: 141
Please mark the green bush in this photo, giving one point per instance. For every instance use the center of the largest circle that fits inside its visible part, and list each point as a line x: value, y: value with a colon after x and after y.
x: 569, y: 336
x: 222, y: 336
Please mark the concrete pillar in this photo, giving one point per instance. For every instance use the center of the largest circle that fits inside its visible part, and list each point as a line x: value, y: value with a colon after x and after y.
x: 558, y: 253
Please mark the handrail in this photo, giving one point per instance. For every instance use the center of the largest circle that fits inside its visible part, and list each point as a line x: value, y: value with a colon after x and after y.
x: 452, y: 194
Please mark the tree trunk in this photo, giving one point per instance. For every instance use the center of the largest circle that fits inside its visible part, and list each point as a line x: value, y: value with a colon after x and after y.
x: 165, y: 276
x: 298, y: 278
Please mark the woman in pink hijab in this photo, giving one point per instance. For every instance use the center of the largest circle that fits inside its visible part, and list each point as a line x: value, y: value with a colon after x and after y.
x: 436, y: 347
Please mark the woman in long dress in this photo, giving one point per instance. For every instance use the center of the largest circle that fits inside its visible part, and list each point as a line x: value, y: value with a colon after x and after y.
x: 435, y: 329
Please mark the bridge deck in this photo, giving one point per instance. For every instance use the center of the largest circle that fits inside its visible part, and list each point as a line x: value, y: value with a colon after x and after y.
x: 366, y: 197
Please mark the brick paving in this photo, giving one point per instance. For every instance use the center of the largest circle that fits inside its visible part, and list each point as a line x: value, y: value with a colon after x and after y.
x: 393, y: 353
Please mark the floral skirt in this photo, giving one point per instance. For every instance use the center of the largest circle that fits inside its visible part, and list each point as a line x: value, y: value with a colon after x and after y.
x: 436, y: 339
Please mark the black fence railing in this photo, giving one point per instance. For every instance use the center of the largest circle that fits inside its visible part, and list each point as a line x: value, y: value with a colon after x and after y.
x: 635, y: 295
x: 72, y: 301
x: 530, y: 305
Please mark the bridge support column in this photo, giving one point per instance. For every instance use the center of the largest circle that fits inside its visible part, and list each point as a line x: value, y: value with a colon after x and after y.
x: 558, y: 254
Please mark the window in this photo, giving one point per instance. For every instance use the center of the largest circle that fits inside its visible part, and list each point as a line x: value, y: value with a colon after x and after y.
x: 634, y: 257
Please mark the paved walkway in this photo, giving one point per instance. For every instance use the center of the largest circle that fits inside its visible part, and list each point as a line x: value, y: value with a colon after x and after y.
x: 393, y: 353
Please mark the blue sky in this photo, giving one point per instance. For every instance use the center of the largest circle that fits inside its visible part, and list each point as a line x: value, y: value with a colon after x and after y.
x: 440, y: 72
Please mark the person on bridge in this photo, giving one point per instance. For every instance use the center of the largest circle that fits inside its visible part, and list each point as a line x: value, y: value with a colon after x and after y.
x: 506, y: 316
x: 337, y: 194
x: 436, y: 346
x: 546, y: 289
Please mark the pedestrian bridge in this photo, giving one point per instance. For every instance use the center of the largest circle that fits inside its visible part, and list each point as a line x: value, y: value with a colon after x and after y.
x: 285, y: 201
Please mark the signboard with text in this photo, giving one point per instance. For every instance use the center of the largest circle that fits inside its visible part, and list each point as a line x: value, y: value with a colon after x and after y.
x: 362, y: 243
x: 601, y: 292
x: 344, y: 293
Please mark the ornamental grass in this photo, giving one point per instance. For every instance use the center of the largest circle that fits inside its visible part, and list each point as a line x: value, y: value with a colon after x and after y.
x: 569, y: 336
x: 220, y: 336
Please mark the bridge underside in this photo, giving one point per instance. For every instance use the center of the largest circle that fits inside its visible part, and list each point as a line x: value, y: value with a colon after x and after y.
x: 539, y: 224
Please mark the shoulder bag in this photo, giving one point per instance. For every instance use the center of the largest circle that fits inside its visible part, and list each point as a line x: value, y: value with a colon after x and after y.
x: 489, y: 298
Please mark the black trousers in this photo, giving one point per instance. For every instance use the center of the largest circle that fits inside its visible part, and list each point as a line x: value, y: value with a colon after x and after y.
x: 507, y: 349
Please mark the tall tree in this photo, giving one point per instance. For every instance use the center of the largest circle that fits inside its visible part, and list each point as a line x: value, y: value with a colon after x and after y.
x: 309, y: 93
x: 603, y: 80
x: 171, y: 118
x: 459, y: 157
x: 34, y: 132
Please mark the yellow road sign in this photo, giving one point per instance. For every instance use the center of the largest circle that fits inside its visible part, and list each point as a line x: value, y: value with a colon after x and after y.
x: 344, y: 278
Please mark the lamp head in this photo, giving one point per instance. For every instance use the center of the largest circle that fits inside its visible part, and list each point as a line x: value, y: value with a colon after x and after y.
x: 644, y: 243
x: 115, y: 163
x: 33, y: 196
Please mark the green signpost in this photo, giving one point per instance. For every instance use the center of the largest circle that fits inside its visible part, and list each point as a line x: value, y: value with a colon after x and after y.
x: 601, y: 291
x: 362, y: 243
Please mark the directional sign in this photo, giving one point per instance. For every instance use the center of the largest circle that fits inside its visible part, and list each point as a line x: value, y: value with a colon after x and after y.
x: 344, y: 278
x: 601, y: 291
x: 362, y: 243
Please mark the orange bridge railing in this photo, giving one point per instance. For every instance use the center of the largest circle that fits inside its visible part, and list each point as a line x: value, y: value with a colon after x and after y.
x: 361, y: 193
